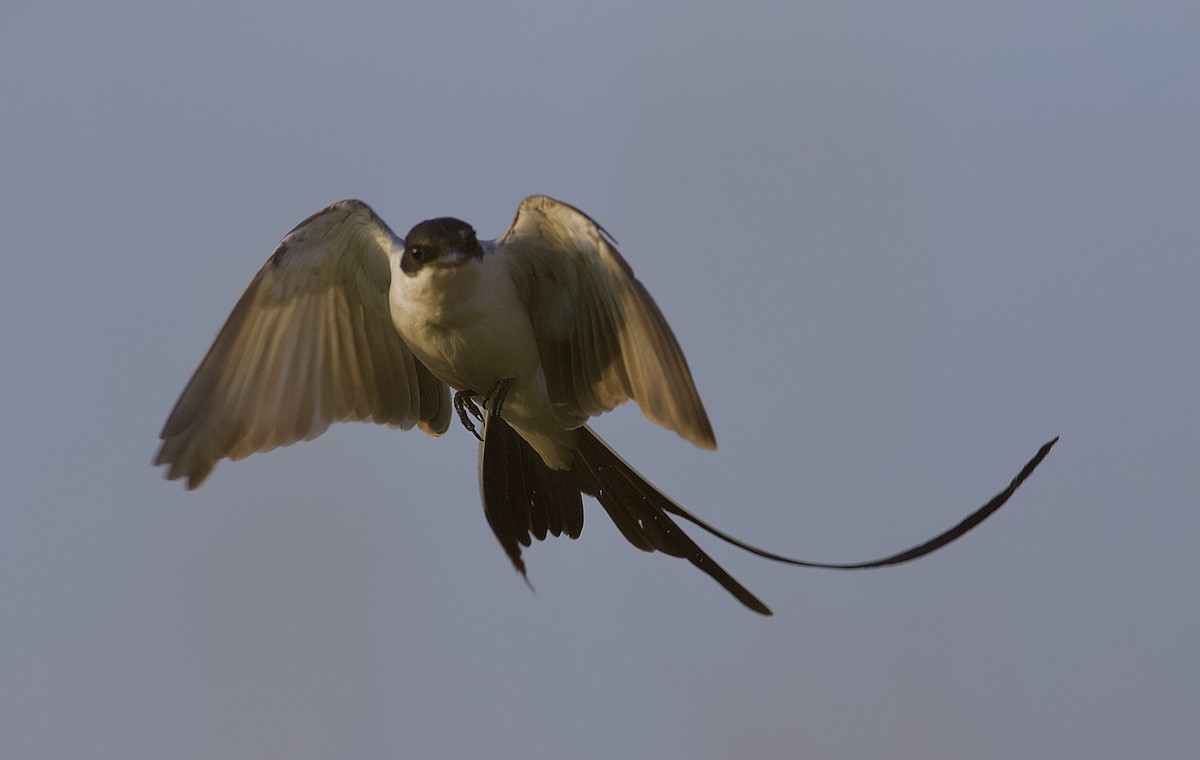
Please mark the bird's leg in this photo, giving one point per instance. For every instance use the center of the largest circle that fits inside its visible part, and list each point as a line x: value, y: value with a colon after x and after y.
x: 464, y: 402
x: 494, y: 400
x: 472, y: 407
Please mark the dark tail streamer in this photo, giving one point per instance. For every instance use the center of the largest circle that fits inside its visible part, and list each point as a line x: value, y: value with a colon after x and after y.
x: 920, y: 550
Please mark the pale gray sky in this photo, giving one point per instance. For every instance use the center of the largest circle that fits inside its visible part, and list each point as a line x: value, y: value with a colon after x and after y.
x: 903, y: 244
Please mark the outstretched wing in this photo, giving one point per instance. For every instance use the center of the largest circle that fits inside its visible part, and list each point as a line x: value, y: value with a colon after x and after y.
x: 309, y: 343
x: 601, y: 337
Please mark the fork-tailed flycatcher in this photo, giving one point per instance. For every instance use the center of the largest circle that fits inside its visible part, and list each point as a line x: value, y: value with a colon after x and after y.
x: 545, y: 326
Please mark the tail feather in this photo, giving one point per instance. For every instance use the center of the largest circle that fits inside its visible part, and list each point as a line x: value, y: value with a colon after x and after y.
x: 640, y: 512
x: 524, y: 499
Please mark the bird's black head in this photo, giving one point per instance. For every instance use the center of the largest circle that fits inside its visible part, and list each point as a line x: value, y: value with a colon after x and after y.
x: 439, y: 242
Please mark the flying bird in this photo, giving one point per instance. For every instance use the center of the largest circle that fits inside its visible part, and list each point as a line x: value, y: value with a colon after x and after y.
x: 536, y: 332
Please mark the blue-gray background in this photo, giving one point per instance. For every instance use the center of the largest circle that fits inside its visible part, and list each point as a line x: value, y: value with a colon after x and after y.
x: 903, y: 244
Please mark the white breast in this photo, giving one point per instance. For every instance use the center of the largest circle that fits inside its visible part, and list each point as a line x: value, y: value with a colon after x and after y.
x: 467, y: 325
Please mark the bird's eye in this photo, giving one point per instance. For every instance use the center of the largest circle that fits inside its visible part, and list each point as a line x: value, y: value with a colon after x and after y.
x: 419, y: 254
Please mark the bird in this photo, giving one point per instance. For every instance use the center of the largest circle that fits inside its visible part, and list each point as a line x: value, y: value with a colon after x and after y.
x: 536, y: 332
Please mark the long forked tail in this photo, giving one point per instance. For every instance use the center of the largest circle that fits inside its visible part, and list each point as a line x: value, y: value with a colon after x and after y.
x: 640, y: 511
x: 523, y: 497
x: 920, y: 550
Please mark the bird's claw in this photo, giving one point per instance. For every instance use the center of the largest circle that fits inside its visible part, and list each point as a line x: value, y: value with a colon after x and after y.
x: 464, y: 403
x: 493, y: 402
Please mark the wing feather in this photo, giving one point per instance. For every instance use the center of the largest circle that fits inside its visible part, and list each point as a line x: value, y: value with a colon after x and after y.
x: 310, y: 343
x: 602, y: 338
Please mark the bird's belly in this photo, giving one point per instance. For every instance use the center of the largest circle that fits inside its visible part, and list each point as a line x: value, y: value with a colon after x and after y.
x: 474, y: 357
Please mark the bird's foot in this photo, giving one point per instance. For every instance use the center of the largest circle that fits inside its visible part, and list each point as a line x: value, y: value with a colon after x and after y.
x: 464, y: 403
x: 494, y: 400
